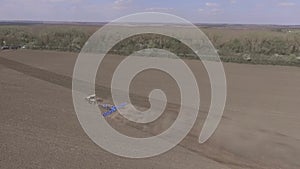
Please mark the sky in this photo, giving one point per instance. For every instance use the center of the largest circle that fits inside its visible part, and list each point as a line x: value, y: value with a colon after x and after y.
x: 282, y: 12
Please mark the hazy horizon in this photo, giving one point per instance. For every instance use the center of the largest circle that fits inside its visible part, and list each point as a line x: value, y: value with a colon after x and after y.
x: 105, y: 22
x: 271, y: 12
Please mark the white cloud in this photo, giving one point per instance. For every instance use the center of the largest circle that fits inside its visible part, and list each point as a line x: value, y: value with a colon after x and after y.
x: 121, y: 4
x: 54, y: 1
x: 286, y: 4
x: 211, y: 4
x: 210, y: 12
x: 211, y: 8
x: 158, y: 9
x: 200, y: 10
x: 48, y: 1
x: 232, y: 1
x: 215, y: 11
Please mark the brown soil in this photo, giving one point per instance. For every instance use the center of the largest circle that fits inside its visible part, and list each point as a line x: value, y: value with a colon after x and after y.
x: 39, y: 128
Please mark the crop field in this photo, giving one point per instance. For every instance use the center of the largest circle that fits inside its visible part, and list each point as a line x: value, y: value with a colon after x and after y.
x: 242, y: 44
x: 259, y: 129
